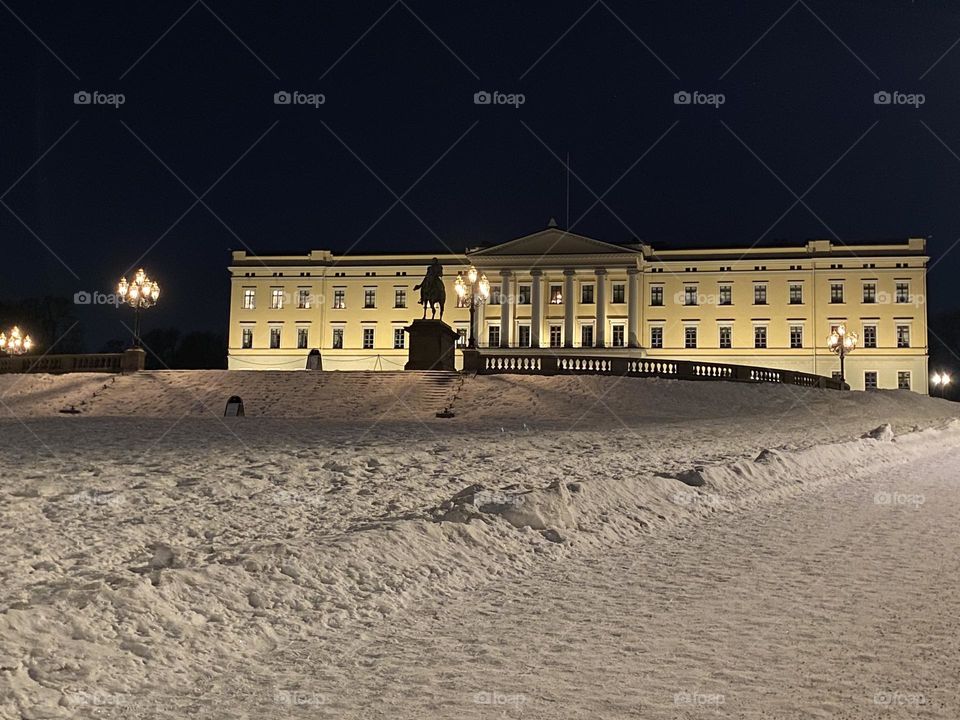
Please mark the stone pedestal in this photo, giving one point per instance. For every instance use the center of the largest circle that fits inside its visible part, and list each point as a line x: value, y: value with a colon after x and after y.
x: 134, y: 360
x: 432, y: 346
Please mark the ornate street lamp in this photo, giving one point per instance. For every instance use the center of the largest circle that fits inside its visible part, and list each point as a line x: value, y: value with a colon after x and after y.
x: 842, y: 342
x: 140, y: 294
x: 940, y: 380
x: 16, y: 343
x: 477, y: 287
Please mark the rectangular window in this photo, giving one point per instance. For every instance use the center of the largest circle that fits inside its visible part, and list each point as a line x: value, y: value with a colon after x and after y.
x: 759, y: 337
x: 796, y: 336
x: 903, y: 336
x: 586, y: 294
x: 656, y: 295
x: 690, y: 295
x: 246, y: 341
x: 556, y: 295
x: 870, y: 380
x: 903, y: 380
x: 337, y: 338
x: 463, y: 300
x: 523, y: 335
x: 368, y: 338
x: 495, y: 295
x: 836, y: 292
x: 690, y: 337
x: 619, y: 293
x: 656, y: 337
x: 586, y: 336
x: 726, y: 337
x: 726, y: 295
x: 869, y: 293
x: 276, y: 298
x: 759, y: 294
x: 400, y: 298
x: 302, y: 338
x: 399, y: 338
x: 556, y: 336
x: 274, y: 338
x: 618, y: 335
x: 369, y: 297
x: 903, y: 292
x: 249, y: 299
x: 796, y: 294
x: 523, y: 295
x: 869, y: 336
x: 461, y: 337
x: 339, y: 299
x: 303, y: 298
x: 493, y: 336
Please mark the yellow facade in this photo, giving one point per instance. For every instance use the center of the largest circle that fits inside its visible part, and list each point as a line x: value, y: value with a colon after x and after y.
x: 770, y: 306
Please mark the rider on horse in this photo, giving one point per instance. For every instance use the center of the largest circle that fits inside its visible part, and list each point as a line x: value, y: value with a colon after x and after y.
x: 432, y: 290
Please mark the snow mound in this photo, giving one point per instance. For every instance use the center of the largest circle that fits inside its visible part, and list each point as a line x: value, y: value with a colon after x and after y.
x: 883, y: 433
x: 546, y: 508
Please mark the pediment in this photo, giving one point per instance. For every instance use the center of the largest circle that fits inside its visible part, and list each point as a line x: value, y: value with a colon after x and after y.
x: 554, y: 241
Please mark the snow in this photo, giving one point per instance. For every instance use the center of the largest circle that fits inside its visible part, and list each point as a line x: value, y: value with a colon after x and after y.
x: 159, y: 560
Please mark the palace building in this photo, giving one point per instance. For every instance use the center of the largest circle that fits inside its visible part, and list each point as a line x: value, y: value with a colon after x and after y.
x: 561, y: 292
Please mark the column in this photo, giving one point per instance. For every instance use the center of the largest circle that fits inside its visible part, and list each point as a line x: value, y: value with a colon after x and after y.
x: 569, y: 302
x: 601, y: 300
x: 505, y: 298
x: 633, y: 300
x: 536, y: 307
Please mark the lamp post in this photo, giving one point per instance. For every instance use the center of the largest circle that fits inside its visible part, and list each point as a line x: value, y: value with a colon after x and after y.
x: 16, y: 343
x: 842, y: 342
x: 140, y: 294
x: 940, y: 380
x: 478, y: 287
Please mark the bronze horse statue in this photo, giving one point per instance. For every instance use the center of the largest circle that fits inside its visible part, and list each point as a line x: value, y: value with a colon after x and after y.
x: 432, y: 291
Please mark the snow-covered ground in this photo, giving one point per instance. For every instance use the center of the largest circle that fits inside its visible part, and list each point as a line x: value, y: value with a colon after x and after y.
x: 312, y: 559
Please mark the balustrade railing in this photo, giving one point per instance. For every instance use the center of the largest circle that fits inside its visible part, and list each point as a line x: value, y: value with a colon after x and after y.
x: 129, y: 361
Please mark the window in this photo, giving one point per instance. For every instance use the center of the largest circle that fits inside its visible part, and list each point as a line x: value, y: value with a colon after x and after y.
x: 249, y: 299
x: 690, y: 337
x: 726, y: 337
x: 869, y: 293
x: 399, y: 337
x: 523, y: 335
x: 461, y: 337
x: 726, y: 295
x: 586, y: 336
x: 523, y: 295
x: 556, y: 336
x: 274, y: 338
x: 903, y: 380
x: 493, y: 336
x: 796, y: 336
x: 796, y: 294
x: 463, y: 300
x: 690, y: 295
x: 903, y: 336
x: 656, y: 295
x: 302, y: 338
x: 903, y: 292
x: 759, y: 337
x: 836, y: 292
x: 369, y: 297
x: 400, y: 299
x: 618, y: 335
x: 759, y: 294
x: 556, y: 295
x: 337, y: 338
x: 870, y: 380
x: 303, y: 298
x: 495, y: 295
x: 869, y: 336
x: 339, y: 299
x: 276, y: 298
x: 619, y: 293
x: 246, y: 338
x: 368, y: 338
x: 656, y: 337
x: 586, y: 294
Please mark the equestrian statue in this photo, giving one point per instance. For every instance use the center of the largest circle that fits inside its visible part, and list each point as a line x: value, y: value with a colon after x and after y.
x: 432, y: 291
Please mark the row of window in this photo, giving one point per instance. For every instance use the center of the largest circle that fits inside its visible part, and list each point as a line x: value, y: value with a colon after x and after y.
x: 870, y: 381
x: 305, y: 299
x: 368, y: 338
x: 692, y: 295
x: 725, y: 339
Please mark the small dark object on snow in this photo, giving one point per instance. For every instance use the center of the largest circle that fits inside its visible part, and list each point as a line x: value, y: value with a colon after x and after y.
x: 314, y: 361
x: 234, y: 407
x: 693, y: 478
x: 445, y: 413
x: 71, y: 410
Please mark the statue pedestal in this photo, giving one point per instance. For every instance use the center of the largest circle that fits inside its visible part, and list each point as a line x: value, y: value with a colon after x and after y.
x: 432, y: 346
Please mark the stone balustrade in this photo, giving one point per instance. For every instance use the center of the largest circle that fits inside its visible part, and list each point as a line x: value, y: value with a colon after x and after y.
x: 132, y: 360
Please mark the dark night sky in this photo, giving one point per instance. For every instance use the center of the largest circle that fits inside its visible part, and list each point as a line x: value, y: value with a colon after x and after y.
x: 801, y: 100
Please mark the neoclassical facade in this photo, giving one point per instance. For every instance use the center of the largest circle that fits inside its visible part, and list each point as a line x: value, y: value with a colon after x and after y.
x: 554, y: 291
